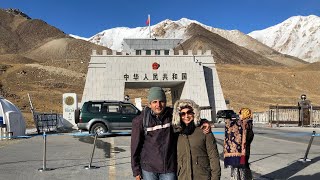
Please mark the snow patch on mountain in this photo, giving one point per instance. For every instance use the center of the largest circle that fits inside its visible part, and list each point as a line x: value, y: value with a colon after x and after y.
x: 78, y: 37
x: 297, y: 36
x: 112, y: 38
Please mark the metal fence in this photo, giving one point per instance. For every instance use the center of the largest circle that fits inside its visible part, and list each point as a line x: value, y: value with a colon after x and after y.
x: 288, y: 115
x: 206, y: 112
x: 315, y: 117
x: 261, y: 117
x: 47, y: 122
x: 284, y: 114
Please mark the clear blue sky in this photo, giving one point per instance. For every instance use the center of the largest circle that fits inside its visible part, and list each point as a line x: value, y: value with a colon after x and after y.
x: 88, y: 17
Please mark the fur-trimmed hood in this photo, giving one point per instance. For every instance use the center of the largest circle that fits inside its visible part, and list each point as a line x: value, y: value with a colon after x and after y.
x: 176, y: 121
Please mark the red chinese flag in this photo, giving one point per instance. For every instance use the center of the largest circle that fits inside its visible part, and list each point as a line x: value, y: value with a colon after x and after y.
x: 148, y: 21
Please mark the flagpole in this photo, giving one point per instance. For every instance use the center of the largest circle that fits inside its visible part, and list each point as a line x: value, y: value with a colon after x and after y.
x: 149, y: 25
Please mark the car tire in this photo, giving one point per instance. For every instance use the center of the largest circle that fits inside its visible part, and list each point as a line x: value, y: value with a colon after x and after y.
x: 98, y: 128
x: 76, y: 116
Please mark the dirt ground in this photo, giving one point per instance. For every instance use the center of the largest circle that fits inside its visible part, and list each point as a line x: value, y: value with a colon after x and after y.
x: 257, y: 87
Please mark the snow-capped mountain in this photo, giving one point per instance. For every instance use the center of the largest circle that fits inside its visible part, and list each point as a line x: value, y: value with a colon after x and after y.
x: 297, y: 36
x: 78, y: 37
x: 112, y: 38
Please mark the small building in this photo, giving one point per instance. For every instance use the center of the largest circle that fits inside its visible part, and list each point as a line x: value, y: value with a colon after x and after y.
x: 11, y: 118
x: 145, y: 63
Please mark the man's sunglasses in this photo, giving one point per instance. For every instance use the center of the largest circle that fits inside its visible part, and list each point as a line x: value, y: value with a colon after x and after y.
x: 190, y: 112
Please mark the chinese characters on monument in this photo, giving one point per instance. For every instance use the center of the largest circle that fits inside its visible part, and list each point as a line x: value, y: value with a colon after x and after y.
x: 156, y: 76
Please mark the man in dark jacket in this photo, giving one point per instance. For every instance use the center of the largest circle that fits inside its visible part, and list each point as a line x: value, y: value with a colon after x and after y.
x: 153, y: 142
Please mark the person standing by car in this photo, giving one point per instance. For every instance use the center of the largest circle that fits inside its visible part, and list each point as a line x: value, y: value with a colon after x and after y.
x: 237, y: 142
x: 153, y: 141
x: 197, y: 153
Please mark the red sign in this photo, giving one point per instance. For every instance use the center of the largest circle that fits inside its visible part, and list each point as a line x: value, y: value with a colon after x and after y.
x: 155, y: 66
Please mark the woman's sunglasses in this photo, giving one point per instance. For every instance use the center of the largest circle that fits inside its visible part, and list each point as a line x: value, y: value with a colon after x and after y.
x: 190, y: 112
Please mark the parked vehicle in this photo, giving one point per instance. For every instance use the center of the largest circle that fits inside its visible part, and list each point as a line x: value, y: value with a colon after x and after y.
x: 226, y: 114
x: 106, y: 116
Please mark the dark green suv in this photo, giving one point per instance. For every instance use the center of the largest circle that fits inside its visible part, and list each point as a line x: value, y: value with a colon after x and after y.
x: 106, y: 116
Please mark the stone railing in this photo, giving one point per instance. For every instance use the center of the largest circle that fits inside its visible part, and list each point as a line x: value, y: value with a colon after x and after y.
x: 152, y: 53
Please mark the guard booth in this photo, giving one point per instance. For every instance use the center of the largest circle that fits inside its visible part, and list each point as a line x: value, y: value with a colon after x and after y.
x: 12, y: 122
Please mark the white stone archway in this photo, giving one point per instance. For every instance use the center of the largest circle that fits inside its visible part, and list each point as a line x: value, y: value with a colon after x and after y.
x: 191, y: 76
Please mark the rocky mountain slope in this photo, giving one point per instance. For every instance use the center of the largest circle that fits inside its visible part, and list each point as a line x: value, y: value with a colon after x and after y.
x: 40, y: 59
x: 224, y: 51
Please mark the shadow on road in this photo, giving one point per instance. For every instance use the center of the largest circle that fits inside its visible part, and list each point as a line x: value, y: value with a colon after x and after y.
x: 288, y: 171
x: 269, y: 155
x: 306, y: 177
x: 100, y: 144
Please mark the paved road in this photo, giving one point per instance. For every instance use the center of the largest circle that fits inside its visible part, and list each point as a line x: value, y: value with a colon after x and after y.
x: 275, y: 155
x: 294, y: 134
